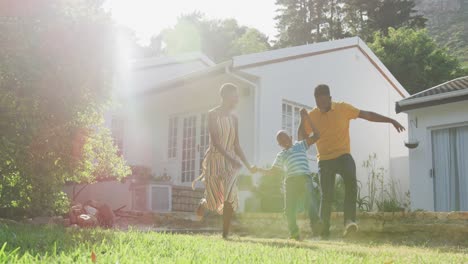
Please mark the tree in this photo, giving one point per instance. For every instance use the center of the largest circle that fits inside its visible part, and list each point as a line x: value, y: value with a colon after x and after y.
x: 384, y: 14
x: 251, y: 41
x: 414, y: 58
x: 56, y: 66
x: 446, y: 23
x: 218, y: 39
x: 301, y: 22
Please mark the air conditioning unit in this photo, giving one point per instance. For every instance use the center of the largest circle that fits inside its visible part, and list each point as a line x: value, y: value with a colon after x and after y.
x: 160, y: 198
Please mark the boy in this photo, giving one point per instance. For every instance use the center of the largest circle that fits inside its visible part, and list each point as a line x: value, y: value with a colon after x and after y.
x: 298, y: 180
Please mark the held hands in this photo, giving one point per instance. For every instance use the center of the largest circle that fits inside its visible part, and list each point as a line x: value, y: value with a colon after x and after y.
x: 237, y: 165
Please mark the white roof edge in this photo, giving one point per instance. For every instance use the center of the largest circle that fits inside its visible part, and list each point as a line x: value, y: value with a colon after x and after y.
x: 433, y: 97
x: 293, y: 52
x: 379, y: 63
x: 180, y: 58
x: 249, y: 59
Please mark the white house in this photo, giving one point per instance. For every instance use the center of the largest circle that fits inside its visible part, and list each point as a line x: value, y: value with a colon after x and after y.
x: 162, y: 124
x: 438, y: 129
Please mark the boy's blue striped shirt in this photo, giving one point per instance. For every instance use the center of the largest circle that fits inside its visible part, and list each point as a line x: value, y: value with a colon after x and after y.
x: 294, y: 160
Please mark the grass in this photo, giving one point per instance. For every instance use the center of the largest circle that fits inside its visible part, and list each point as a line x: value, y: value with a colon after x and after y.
x: 28, y: 244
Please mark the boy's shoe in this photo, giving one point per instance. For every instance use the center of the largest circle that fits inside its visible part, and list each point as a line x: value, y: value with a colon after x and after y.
x: 296, y: 237
x: 350, y: 228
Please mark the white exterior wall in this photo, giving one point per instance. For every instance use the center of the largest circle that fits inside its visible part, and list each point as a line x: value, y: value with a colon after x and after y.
x: 104, y: 192
x: 195, y: 98
x: 352, y: 79
x: 447, y: 115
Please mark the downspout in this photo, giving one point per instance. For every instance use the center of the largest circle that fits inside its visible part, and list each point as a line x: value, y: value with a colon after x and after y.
x: 256, y: 110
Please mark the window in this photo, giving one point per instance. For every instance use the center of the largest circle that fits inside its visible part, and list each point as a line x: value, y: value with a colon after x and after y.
x: 450, y: 169
x: 189, y: 148
x: 204, y: 139
x: 117, y: 130
x: 291, y: 118
x: 291, y: 121
x: 172, y: 138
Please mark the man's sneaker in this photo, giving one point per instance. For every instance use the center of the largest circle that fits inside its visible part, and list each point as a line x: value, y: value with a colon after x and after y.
x: 350, y: 228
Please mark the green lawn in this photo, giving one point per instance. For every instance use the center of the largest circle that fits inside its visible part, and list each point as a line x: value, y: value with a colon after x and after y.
x: 26, y: 244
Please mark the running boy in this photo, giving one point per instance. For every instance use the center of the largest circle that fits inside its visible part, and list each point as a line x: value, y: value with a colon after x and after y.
x: 298, y: 179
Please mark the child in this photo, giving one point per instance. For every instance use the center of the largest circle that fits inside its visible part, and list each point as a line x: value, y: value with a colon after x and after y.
x: 298, y: 180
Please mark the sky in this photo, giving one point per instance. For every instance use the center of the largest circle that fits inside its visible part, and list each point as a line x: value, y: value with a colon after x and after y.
x: 149, y: 17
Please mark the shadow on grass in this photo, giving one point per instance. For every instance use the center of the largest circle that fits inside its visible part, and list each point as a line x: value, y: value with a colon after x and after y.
x: 411, y: 240
x: 277, y: 243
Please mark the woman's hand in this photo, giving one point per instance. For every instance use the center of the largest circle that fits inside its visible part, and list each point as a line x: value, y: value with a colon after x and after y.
x: 253, y: 169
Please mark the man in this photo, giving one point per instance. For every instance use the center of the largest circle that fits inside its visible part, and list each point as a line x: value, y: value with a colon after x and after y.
x: 331, y: 119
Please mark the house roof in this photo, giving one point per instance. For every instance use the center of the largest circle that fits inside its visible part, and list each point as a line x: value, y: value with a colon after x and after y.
x: 452, y: 91
x: 238, y: 63
x: 298, y: 52
x: 213, y: 70
x: 154, y: 62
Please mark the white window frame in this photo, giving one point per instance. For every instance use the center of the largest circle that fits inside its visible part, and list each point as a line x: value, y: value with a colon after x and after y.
x: 295, y: 122
x: 195, y: 137
x: 295, y: 116
x: 204, y: 139
x: 173, y: 138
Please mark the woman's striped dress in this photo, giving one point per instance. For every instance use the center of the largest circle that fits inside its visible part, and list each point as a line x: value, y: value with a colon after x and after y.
x: 218, y: 174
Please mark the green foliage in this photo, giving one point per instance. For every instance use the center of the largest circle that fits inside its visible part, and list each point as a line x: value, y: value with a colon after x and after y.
x: 245, y: 182
x: 270, y: 192
x: 375, y: 182
x: 381, y: 193
x: 27, y: 244
x: 414, y: 59
x: 309, y: 21
x: 218, y: 39
x: 56, y: 67
x: 447, y: 22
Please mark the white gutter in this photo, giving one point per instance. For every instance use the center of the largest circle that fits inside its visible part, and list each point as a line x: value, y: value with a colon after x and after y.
x: 434, y: 97
x: 256, y: 110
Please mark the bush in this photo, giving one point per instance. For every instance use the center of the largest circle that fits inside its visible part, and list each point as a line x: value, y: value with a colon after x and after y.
x: 270, y: 193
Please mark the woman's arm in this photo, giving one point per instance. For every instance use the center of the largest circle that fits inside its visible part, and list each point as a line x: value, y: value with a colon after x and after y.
x: 238, y: 149
x: 215, y: 138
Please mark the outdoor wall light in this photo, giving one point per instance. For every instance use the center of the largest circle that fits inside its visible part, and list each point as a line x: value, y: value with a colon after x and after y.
x: 412, y: 143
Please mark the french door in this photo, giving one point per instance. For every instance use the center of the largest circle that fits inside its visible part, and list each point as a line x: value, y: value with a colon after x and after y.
x: 450, y: 168
x: 195, y: 140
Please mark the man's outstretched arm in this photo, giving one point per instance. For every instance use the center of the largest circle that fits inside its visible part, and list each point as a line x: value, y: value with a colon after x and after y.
x: 374, y: 117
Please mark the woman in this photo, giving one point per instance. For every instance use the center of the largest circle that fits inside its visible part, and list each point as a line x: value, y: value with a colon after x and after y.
x: 220, y: 165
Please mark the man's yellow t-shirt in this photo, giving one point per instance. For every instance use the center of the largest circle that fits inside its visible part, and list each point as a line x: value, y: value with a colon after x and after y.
x: 333, y: 127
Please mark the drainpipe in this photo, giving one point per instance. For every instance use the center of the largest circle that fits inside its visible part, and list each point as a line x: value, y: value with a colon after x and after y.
x: 256, y: 110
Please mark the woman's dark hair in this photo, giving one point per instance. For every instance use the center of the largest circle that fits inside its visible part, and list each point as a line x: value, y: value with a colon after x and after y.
x: 227, y: 89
